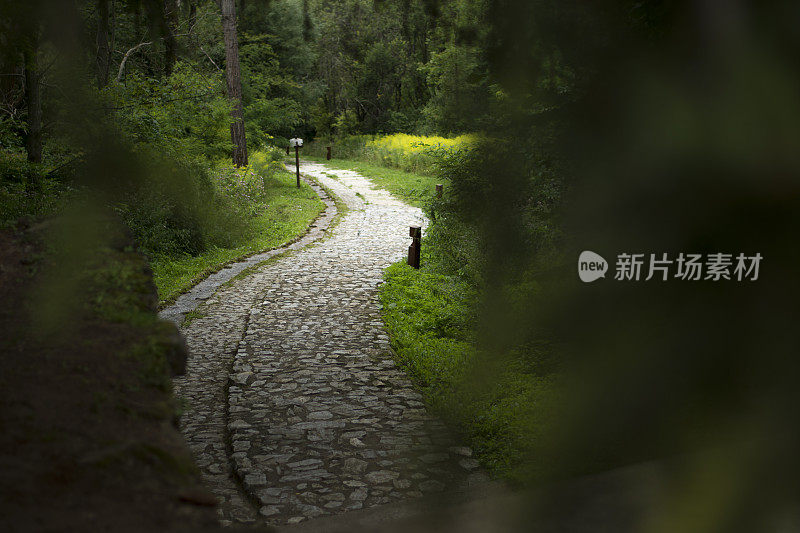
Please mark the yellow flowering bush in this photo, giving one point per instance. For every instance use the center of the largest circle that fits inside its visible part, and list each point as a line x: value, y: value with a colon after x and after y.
x: 412, y: 153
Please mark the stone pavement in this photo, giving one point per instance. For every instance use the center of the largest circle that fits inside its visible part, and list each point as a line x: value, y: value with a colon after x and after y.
x: 295, y: 407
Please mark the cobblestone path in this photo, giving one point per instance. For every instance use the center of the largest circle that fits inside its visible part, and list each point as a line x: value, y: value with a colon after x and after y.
x: 294, y: 405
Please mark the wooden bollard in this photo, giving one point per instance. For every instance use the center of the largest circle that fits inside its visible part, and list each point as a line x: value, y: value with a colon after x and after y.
x: 329, y: 153
x: 287, y: 150
x: 439, y: 189
x: 416, y: 244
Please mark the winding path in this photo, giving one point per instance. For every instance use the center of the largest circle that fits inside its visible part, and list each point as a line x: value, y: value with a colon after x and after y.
x: 294, y: 406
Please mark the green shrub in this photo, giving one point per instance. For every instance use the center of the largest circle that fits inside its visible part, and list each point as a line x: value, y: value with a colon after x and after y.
x: 25, y: 191
x: 497, y: 402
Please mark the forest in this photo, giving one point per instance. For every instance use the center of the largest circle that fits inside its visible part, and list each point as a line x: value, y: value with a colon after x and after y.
x: 144, y: 147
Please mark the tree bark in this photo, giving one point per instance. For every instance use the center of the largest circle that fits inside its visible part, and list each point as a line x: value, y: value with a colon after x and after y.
x: 103, y: 49
x: 33, y: 99
x: 170, y: 42
x: 234, y: 82
x: 192, y: 16
x: 121, y: 70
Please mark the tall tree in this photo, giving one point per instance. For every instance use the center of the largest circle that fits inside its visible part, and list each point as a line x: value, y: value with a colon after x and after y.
x: 33, y: 99
x: 233, y: 78
x: 103, y: 48
x: 171, y: 11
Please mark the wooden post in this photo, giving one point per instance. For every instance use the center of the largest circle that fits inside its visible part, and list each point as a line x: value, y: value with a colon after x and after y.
x: 287, y: 149
x: 439, y: 188
x: 329, y: 153
x: 297, y: 163
x: 416, y: 244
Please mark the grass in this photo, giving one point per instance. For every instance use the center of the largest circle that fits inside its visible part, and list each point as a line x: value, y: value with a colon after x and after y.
x: 414, y: 189
x: 496, y: 403
x: 285, y: 214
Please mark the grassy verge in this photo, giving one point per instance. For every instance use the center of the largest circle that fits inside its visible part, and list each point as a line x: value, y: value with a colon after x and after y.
x: 414, y: 189
x: 285, y: 213
x: 495, y: 403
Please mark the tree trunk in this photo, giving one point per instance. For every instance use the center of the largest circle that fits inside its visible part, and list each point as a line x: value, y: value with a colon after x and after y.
x: 192, y: 16
x: 307, y: 26
x: 33, y: 99
x: 103, y: 50
x: 170, y: 43
x: 113, y: 38
x: 234, y: 82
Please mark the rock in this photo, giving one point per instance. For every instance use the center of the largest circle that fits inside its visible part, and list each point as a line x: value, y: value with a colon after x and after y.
x: 269, y: 510
x: 242, y: 378
x: 305, y: 464
x: 310, y: 511
x: 354, y: 466
x: 379, y: 477
x: 401, y: 483
x: 241, y: 445
x: 238, y: 424
x: 358, y: 495
x: 257, y: 478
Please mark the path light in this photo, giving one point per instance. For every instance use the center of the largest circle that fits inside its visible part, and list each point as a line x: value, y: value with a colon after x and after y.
x: 297, y: 142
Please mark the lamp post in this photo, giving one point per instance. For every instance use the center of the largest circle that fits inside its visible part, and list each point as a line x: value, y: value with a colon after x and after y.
x: 297, y: 142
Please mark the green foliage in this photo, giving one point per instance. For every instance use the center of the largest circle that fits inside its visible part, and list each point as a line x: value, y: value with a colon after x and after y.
x: 460, y: 94
x: 430, y: 317
x: 499, y: 405
x: 185, y: 116
x: 182, y: 200
x: 272, y: 99
x: 280, y: 212
x: 381, y: 63
x: 25, y: 191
